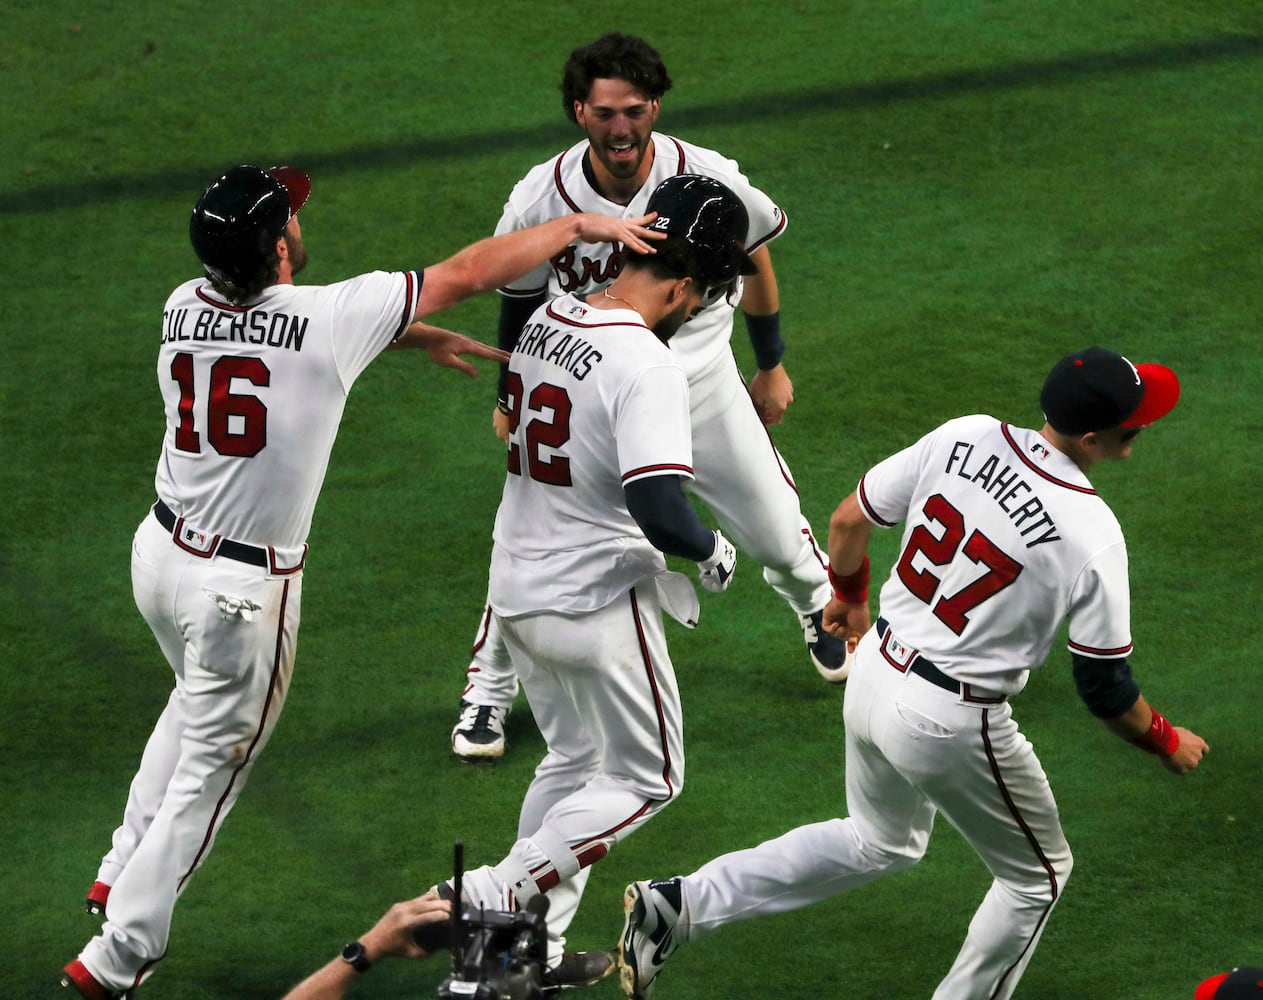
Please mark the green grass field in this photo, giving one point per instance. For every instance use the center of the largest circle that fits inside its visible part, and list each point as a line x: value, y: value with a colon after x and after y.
x: 974, y: 187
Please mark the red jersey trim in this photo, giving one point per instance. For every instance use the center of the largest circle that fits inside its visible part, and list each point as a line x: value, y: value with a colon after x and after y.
x: 588, y: 326
x: 1078, y: 647
x: 679, y: 155
x: 1004, y: 429
x: 561, y: 188
x: 663, y: 469
x: 868, y: 508
x: 518, y: 293
x: 412, y: 292
x: 770, y: 236
x: 226, y: 306
x: 681, y: 164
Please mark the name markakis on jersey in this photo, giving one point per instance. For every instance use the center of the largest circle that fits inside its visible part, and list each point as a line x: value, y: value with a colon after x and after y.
x: 572, y: 353
x: 255, y: 326
x: 1003, y: 486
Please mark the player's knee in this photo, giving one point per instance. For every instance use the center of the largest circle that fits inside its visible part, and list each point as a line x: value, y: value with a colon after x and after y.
x: 892, y: 861
x: 1044, y: 884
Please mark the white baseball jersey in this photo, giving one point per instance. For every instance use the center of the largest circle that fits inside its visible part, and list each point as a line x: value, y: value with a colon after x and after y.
x: 253, y: 396
x: 579, y: 379
x: 559, y: 187
x: 1004, y: 538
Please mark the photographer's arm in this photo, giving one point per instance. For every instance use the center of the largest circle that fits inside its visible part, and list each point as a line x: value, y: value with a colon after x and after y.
x: 391, y: 935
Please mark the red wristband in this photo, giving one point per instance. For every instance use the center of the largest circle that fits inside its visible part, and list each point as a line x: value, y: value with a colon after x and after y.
x: 852, y: 588
x: 1160, y: 738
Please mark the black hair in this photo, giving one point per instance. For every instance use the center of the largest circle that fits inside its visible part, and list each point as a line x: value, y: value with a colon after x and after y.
x: 675, y: 258
x: 240, y: 292
x: 613, y: 57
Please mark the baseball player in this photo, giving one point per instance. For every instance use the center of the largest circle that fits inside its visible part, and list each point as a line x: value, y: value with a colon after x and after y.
x: 612, y: 89
x: 1004, y: 538
x: 599, y: 446
x: 254, y: 372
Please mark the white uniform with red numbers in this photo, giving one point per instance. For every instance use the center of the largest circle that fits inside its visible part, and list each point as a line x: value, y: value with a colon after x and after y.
x: 600, y: 402
x: 739, y: 473
x: 1004, y: 539
x: 253, y: 396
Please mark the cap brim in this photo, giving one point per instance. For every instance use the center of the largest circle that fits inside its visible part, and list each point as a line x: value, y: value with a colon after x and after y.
x: 297, y: 183
x: 747, y: 265
x: 1162, y: 391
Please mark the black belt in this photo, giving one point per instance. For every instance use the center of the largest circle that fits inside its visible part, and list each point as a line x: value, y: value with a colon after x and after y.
x: 239, y: 551
x: 923, y: 668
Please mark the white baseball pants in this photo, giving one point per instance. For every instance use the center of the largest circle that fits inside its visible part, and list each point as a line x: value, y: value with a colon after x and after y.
x: 231, y: 678
x: 603, y: 692
x: 914, y: 750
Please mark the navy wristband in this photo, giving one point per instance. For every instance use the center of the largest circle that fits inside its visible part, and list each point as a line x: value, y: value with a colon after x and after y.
x: 765, y: 338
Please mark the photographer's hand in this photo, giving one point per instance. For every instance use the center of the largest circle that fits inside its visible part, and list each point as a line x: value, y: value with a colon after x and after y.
x: 391, y: 935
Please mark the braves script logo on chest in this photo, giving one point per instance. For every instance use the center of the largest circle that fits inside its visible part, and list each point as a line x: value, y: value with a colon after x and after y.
x: 588, y: 272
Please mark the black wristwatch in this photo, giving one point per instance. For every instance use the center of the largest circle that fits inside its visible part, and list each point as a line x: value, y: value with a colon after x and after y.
x: 356, y: 957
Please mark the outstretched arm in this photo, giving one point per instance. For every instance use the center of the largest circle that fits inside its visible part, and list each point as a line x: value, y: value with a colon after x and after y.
x: 391, y: 935
x: 445, y: 347
x: 497, y: 260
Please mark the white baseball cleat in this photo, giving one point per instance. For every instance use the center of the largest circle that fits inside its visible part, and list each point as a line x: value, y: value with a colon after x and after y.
x: 479, y: 734
x: 830, y: 655
x: 651, y: 934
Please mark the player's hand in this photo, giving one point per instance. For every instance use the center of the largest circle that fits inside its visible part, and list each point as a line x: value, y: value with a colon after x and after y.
x: 629, y: 232
x: 1188, y: 754
x: 500, y: 423
x: 392, y: 934
x: 445, y: 347
x: 772, y: 392
x: 718, y: 569
x: 847, y: 621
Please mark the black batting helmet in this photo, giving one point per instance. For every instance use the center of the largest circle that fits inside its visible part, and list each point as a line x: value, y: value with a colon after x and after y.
x: 240, y: 216
x: 710, y: 218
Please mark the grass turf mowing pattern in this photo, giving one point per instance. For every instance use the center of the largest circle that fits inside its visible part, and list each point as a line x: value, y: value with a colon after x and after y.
x: 973, y: 189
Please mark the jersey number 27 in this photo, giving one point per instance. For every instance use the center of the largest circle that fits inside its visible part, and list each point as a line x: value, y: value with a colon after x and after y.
x: 952, y: 609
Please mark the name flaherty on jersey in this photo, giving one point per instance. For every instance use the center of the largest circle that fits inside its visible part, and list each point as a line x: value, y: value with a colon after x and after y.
x: 1003, y: 485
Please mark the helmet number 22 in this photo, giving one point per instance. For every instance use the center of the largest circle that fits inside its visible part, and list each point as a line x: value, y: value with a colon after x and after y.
x: 951, y: 609
x: 236, y: 424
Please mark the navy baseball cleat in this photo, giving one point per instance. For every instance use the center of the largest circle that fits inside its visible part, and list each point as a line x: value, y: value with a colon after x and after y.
x: 650, y: 926
x: 577, y: 968
x: 828, y: 652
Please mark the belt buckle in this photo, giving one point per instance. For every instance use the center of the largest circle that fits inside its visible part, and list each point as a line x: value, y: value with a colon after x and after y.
x: 898, y: 654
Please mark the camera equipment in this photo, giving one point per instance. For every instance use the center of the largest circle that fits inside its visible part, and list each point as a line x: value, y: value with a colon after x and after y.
x: 496, y: 954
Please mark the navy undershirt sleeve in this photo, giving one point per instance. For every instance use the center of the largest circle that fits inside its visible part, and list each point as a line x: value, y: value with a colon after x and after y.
x: 513, y: 316
x: 667, y: 518
x: 1106, y: 686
